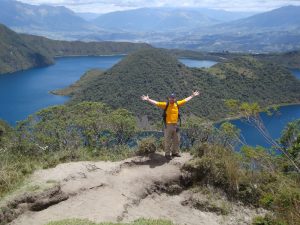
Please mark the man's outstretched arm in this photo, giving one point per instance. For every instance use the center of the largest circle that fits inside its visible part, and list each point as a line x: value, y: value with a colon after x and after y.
x: 146, y: 98
x: 194, y: 94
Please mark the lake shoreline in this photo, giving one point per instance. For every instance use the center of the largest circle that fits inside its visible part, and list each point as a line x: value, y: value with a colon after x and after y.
x: 237, y: 117
x: 67, y: 56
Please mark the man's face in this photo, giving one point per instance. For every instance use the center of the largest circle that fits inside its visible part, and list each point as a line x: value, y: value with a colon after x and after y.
x: 172, y: 100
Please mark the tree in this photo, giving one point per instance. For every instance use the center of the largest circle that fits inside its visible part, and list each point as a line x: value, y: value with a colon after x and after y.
x: 87, y: 124
x: 290, y: 140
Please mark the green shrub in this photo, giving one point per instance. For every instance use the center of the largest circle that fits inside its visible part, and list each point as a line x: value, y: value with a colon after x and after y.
x: 147, y: 146
x: 87, y: 124
x: 267, y: 220
x: 217, y: 166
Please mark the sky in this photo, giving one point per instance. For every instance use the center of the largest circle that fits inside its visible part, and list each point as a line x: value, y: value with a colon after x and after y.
x: 104, y: 6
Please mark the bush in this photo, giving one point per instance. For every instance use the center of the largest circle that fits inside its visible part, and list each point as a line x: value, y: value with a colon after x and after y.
x: 267, y: 220
x: 217, y: 166
x: 251, y: 176
x: 147, y: 146
x: 87, y: 124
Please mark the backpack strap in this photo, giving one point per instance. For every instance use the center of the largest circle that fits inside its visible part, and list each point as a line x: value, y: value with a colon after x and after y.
x: 165, y: 114
x: 179, y: 117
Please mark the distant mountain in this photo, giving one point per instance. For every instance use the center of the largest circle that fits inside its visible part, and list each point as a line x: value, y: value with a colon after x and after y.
x: 155, y: 72
x: 282, y: 18
x: 152, y: 19
x: 16, y: 54
x: 164, y: 19
x: 29, y: 18
x: 274, y: 31
x: 23, y: 51
x: 88, y: 16
x: 223, y: 15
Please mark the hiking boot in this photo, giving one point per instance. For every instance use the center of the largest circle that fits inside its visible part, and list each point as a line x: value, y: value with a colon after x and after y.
x: 168, y: 157
x: 176, y: 154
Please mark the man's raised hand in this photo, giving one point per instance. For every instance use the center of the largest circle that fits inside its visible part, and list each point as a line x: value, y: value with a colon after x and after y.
x: 196, y: 93
x: 145, y: 97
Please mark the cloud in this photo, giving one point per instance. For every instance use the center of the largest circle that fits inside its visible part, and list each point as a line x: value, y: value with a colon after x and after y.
x: 103, y: 6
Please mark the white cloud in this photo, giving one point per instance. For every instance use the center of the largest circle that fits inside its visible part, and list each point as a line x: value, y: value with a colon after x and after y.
x: 102, y: 6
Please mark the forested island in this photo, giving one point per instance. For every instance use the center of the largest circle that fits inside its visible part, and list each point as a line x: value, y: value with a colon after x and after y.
x: 158, y: 73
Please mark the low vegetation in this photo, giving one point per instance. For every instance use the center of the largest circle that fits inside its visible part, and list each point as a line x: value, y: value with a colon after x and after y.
x: 255, y: 176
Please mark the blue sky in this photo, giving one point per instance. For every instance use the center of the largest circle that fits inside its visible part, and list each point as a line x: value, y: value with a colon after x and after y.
x: 103, y: 6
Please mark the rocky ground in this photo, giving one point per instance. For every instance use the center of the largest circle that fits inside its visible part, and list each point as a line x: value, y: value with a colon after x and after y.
x: 139, y: 187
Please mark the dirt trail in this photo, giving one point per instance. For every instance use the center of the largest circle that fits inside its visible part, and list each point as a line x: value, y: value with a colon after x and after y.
x: 123, y: 191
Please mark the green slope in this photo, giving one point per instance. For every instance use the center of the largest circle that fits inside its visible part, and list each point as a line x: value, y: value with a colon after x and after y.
x: 20, y: 51
x: 16, y: 54
x: 155, y: 72
x: 70, y: 48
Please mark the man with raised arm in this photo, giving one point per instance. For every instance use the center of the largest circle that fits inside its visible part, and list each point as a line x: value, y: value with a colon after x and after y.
x: 171, y: 113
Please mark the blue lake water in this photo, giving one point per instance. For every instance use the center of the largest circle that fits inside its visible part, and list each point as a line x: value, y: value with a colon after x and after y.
x: 274, y: 124
x: 23, y: 93
x: 197, y: 63
x: 296, y: 72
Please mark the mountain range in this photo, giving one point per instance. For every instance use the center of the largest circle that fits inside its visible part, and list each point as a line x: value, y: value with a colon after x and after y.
x: 196, y: 29
x: 166, y: 19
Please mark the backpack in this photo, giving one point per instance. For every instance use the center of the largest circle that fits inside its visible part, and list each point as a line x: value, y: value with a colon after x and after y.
x: 164, y: 115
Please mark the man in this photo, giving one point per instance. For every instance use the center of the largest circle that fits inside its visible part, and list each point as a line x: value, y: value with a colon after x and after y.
x: 171, y: 129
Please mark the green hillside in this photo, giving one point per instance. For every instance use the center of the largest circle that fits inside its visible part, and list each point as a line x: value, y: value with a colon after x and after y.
x: 16, y: 54
x: 287, y: 59
x: 20, y: 51
x: 155, y: 72
x: 70, y: 48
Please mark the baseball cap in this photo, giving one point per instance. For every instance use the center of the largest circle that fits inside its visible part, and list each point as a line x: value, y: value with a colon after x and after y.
x: 172, y: 95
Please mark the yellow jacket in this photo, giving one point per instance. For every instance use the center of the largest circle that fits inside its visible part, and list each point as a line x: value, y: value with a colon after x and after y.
x: 172, y: 110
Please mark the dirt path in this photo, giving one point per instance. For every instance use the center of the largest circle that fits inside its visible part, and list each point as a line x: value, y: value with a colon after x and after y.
x: 121, y: 191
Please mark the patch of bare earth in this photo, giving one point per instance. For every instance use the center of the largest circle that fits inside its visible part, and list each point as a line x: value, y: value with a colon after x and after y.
x: 148, y: 187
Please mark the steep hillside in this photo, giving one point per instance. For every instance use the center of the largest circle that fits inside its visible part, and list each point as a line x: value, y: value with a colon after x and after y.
x: 158, y: 74
x: 22, y: 51
x: 16, y: 54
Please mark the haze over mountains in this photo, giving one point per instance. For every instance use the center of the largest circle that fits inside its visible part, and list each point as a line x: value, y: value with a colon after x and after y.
x: 164, y: 19
x: 196, y: 29
x: 32, y: 18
